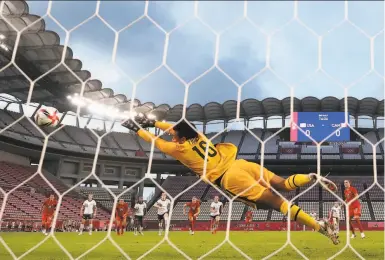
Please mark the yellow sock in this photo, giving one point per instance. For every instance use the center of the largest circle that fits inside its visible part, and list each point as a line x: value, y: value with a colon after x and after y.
x: 297, y: 214
x: 297, y: 180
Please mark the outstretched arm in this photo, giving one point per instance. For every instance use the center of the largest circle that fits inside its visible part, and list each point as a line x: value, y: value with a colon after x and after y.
x: 162, y: 145
x: 167, y: 127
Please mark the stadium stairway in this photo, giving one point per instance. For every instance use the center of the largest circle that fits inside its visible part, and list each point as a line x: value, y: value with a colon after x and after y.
x: 258, y: 153
x: 379, y: 138
x: 369, y: 202
x: 241, y: 142
x: 244, y: 212
x: 205, y: 192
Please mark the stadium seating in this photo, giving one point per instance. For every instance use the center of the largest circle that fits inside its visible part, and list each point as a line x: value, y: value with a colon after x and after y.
x: 259, y: 214
x: 177, y: 213
x: 197, y: 191
x: 310, y: 195
x: 151, y: 214
x: 378, y: 210
x: 310, y: 207
x: 237, y: 210
x: 26, y: 201
x: 314, y: 199
x: 212, y: 192
x: 234, y: 137
x: 205, y: 211
x: 177, y: 184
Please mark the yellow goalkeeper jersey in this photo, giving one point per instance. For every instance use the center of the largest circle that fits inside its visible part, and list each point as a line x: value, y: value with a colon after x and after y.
x: 192, y: 153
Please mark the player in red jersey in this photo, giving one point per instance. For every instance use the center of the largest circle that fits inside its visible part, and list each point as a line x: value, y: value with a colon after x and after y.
x: 195, y: 209
x: 351, y: 195
x: 121, y: 214
x: 249, y: 217
x: 48, y: 210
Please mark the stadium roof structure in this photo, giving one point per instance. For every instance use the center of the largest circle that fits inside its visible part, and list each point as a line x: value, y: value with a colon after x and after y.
x: 39, y: 51
x: 268, y: 107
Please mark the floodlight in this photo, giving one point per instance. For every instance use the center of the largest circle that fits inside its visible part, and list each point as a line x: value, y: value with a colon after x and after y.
x: 151, y: 116
x: 4, y: 47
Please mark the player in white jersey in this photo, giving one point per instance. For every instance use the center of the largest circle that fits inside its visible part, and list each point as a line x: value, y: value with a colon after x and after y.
x: 88, y: 213
x: 335, y: 216
x: 140, y: 209
x: 163, y: 205
x: 215, y: 214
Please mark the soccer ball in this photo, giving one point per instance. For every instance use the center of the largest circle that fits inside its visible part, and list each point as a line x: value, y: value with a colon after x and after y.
x: 47, y: 116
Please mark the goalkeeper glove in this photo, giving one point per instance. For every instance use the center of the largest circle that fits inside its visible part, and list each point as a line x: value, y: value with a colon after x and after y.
x: 131, y: 125
x: 146, y: 123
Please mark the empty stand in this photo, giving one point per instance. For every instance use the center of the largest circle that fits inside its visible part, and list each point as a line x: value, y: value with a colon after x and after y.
x: 205, y: 211
x: 276, y: 216
x: 196, y: 191
x: 310, y: 207
x: 26, y: 201
x: 237, y: 210
x: 259, y: 214
x: 175, y: 185
x: 212, y: 192
x: 177, y: 213
x: 376, y: 193
x: 151, y: 214
x: 271, y: 145
x: 234, y: 137
x: 250, y: 144
x: 312, y: 194
x: 378, y: 210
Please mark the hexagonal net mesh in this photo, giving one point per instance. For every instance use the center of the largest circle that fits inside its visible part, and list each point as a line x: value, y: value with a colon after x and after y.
x: 23, y: 36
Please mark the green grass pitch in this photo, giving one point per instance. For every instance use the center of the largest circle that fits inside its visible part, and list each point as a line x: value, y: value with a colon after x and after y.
x: 255, y: 244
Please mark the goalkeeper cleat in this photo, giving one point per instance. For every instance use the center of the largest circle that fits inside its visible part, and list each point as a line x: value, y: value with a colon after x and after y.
x: 324, y: 182
x: 326, y: 229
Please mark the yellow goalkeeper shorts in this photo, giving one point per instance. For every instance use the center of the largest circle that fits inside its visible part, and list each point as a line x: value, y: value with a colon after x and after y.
x: 243, y: 179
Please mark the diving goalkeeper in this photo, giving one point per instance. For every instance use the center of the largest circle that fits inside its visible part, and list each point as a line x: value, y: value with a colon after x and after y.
x: 234, y: 177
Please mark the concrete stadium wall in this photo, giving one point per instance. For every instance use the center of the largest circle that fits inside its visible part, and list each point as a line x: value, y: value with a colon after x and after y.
x: 14, y: 158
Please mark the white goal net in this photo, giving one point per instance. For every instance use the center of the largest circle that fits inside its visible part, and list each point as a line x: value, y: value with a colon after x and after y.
x: 194, y: 53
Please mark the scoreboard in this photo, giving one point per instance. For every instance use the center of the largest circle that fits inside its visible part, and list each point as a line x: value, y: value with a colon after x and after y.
x: 319, y: 125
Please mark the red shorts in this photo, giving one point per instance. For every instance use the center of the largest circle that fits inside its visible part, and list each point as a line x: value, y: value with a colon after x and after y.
x: 248, y: 220
x: 120, y: 219
x: 355, y: 211
x: 47, y: 217
x: 191, y: 216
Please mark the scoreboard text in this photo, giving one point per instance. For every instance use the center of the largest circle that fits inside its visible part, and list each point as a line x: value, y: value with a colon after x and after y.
x: 319, y: 125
